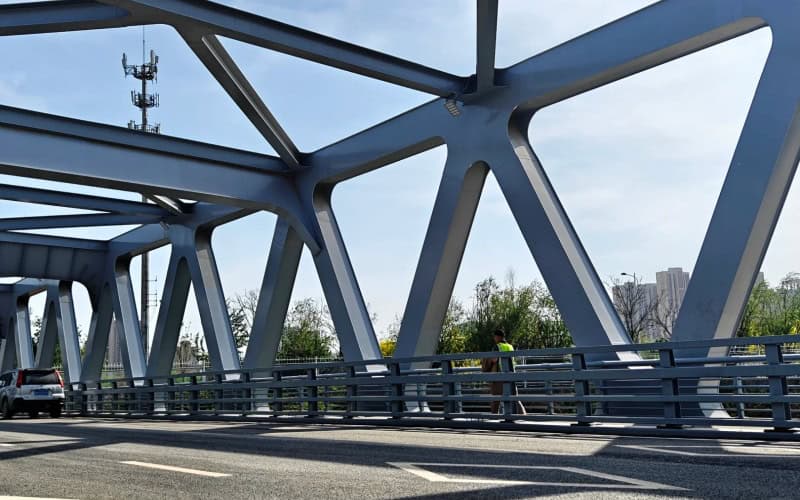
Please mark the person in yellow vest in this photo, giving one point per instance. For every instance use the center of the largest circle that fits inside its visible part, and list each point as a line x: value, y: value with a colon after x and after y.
x: 496, y: 388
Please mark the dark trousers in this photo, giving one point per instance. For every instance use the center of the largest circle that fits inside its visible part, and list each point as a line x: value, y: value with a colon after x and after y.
x: 496, y: 389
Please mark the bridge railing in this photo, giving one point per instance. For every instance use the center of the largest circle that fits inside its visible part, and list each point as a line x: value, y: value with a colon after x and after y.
x: 644, y: 383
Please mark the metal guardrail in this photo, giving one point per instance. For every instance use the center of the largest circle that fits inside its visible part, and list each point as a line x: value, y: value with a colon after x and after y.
x: 553, y: 385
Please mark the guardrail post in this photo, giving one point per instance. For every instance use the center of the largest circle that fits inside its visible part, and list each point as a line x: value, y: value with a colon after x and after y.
x: 739, y: 405
x: 84, y: 400
x: 396, y: 392
x: 100, y: 398
x: 669, y: 388
x: 351, y: 391
x: 149, y: 397
x: 247, y: 393
x: 449, y: 390
x: 781, y: 412
x: 583, y: 409
x: 194, y: 397
x: 115, y: 406
x: 219, y: 404
x: 277, y: 408
x: 548, y: 389
x: 313, y: 392
x: 508, y: 405
x: 169, y: 405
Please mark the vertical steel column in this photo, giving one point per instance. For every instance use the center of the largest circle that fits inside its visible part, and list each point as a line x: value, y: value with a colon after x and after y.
x: 275, y: 295
x: 22, y: 330
x: 346, y: 303
x: 440, y: 257
x: 211, y: 305
x: 127, y: 319
x: 67, y: 329
x: 170, y: 316
x: 99, y: 328
x: 750, y: 202
x: 48, y: 334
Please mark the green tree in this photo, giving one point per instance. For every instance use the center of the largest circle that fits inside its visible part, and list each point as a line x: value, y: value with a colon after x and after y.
x: 772, y: 310
x: 308, y: 332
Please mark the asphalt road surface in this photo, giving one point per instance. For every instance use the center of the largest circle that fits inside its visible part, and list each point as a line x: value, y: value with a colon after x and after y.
x: 102, y: 458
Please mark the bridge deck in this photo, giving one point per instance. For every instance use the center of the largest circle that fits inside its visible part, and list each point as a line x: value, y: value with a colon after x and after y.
x: 88, y: 458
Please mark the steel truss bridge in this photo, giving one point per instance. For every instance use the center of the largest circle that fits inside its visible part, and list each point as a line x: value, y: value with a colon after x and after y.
x: 481, y: 118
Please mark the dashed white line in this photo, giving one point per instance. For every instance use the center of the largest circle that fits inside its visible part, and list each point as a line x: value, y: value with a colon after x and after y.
x: 622, y: 482
x: 175, y: 469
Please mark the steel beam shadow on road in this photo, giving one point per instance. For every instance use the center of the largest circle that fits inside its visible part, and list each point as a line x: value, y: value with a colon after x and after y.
x: 535, y: 472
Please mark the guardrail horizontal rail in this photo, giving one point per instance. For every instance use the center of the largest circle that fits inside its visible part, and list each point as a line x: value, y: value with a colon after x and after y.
x: 759, y: 387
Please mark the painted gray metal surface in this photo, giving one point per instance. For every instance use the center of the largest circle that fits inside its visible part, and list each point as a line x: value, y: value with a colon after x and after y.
x: 484, y: 127
x: 567, y: 388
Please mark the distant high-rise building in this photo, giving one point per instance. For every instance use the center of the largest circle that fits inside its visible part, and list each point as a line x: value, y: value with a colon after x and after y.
x: 671, y: 288
x: 114, y: 353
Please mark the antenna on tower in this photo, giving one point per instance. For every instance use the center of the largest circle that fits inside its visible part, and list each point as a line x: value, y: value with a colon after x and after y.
x: 146, y: 72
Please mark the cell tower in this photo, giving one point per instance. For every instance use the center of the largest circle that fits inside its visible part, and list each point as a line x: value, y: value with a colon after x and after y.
x: 146, y: 72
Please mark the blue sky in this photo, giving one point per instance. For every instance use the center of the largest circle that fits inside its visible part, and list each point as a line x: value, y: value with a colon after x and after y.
x: 637, y: 164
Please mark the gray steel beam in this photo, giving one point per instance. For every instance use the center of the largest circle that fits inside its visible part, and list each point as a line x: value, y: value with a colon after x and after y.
x: 486, y: 42
x: 48, y: 336
x: 440, y: 257
x: 8, y: 349
x: 274, y: 298
x: 66, y: 15
x: 125, y: 312
x: 346, y: 302
x: 22, y: 330
x: 750, y: 203
x: 48, y: 154
x: 45, y: 152
x: 225, y: 21
x: 129, y: 139
x: 219, y: 63
x: 211, y: 304
x: 53, y: 241
x: 644, y: 39
x: 97, y: 340
x: 60, y: 295
x: 565, y: 267
x: 78, y: 220
x: 170, y: 316
x: 74, y: 200
x: 405, y: 135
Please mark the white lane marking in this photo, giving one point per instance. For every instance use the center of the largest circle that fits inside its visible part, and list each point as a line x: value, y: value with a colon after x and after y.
x: 176, y: 469
x: 6, y: 445
x: 732, y: 452
x: 4, y: 497
x: 627, y: 483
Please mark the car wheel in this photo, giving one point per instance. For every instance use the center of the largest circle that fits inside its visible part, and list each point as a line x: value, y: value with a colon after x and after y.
x: 55, y: 412
x: 33, y: 414
x: 5, y: 409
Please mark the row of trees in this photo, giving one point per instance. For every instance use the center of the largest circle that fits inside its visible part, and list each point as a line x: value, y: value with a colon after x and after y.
x: 773, y: 310
x: 526, y: 312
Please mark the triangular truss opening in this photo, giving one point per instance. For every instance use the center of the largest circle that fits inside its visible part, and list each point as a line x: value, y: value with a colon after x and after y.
x: 666, y: 137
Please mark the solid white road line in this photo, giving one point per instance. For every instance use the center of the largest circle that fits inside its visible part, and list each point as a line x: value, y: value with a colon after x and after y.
x: 176, y: 469
x: 4, y: 497
x: 625, y: 483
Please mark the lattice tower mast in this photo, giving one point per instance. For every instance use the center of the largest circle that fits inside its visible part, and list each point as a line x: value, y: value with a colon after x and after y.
x: 145, y: 72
